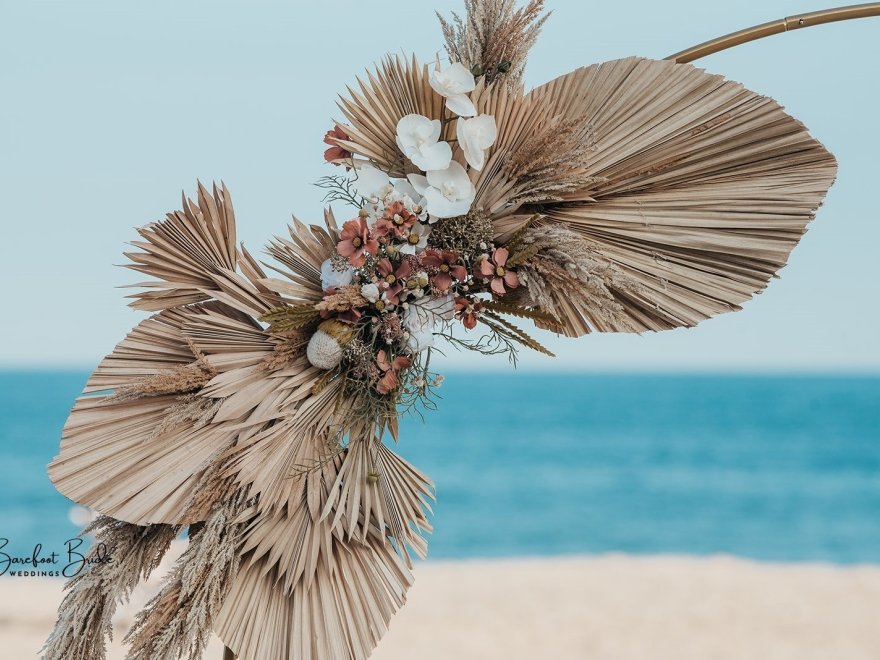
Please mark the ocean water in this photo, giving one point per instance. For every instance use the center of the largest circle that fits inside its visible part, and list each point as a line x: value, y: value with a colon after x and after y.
x: 774, y: 468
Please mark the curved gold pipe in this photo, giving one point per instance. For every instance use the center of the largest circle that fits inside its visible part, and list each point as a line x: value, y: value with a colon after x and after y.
x: 776, y: 27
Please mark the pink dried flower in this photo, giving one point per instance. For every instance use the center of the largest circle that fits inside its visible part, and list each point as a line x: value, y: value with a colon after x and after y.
x: 387, y: 377
x: 336, y: 153
x: 447, y: 267
x: 493, y: 270
x: 393, y: 280
x: 467, y: 310
x: 356, y: 241
x: 392, y: 329
x: 396, y: 221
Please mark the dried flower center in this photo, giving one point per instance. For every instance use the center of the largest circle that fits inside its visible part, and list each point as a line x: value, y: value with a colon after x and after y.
x: 380, y: 305
x: 499, y: 271
x: 413, y: 239
x: 357, y: 241
x: 390, y: 278
x: 412, y: 283
x: 398, y: 220
x: 444, y: 268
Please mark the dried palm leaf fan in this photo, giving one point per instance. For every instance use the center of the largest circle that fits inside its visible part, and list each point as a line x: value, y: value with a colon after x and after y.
x: 251, y: 407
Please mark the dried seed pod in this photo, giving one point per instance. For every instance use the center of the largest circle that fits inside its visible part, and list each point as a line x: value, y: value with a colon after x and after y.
x: 326, y: 345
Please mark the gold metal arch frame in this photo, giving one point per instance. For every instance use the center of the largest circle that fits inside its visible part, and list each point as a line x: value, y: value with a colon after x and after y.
x: 778, y: 26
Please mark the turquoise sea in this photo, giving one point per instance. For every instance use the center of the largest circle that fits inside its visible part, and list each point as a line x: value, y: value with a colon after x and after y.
x: 775, y: 468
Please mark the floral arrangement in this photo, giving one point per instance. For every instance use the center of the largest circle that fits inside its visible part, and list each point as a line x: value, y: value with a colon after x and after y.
x: 254, y: 407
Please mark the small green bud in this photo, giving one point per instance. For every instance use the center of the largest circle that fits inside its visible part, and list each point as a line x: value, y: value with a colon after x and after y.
x: 504, y: 67
x: 477, y: 70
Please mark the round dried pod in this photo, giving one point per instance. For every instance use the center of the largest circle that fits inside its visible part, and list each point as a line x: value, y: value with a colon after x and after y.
x: 326, y: 345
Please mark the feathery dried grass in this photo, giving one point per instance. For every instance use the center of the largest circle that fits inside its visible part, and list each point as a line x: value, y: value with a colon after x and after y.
x: 552, y: 161
x: 181, y: 379
x: 189, y: 408
x: 566, y: 271
x: 286, y: 351
x: 495, y: 37
x: 346, y: 298
x: 84, y: 618
x: 178, y: 621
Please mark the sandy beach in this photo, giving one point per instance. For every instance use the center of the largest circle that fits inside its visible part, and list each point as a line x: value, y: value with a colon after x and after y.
x: 610, y: 607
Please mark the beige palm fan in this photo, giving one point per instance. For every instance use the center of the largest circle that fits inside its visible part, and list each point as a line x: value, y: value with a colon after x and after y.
x: 252, y: 407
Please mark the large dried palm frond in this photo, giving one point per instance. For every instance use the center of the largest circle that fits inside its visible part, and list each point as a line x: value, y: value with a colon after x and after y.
x: 333, y: 560
x: 342, y: 615
x: 132, y: 440
x: 301, y: 256
x: 396, y: 89
x: 702, y: 187
x: 193, y: 256
x: 376, y: 485
x: 494, y: 37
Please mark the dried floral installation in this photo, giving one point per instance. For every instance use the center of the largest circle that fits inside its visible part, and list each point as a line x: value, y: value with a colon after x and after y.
x: 255, y: 405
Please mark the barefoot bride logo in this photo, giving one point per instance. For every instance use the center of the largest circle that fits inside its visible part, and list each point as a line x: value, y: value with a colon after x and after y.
x: 66, y: 561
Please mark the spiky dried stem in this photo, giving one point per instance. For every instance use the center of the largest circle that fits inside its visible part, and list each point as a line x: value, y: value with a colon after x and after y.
x: 180, y: 380
x: 177, y: 622
x: 566, y: 269
x: 85, y: 616
x: 494, y: 38
x: 552, y: 162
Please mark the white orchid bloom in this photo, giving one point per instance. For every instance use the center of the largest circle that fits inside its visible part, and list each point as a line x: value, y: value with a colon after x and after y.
x: 419, y: 183
x: 371, y: 183
x: 475, y: 136
x: 422, y: 316
x: 416, y: 239
x: 370, y: 292
x: 420, y: 339
x: 454, y: 83
x: 442, y: 307
x: 417, y: 137
x: 428, y: 311
x: 332, y: 278
x: 450, y: 192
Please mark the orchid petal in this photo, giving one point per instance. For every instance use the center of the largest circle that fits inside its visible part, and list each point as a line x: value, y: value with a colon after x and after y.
x: 461, y: 105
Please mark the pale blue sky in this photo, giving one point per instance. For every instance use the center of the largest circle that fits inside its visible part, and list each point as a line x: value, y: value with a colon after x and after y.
x: 109, y: 109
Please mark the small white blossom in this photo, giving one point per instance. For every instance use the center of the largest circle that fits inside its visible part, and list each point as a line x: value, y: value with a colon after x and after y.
x: 475, y: 136
x: 413, y: 200
x: 332, y: 278
x: 417, y: 137
x: 454, y: 83
x: 416, y: 239
x: 450, y: 192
